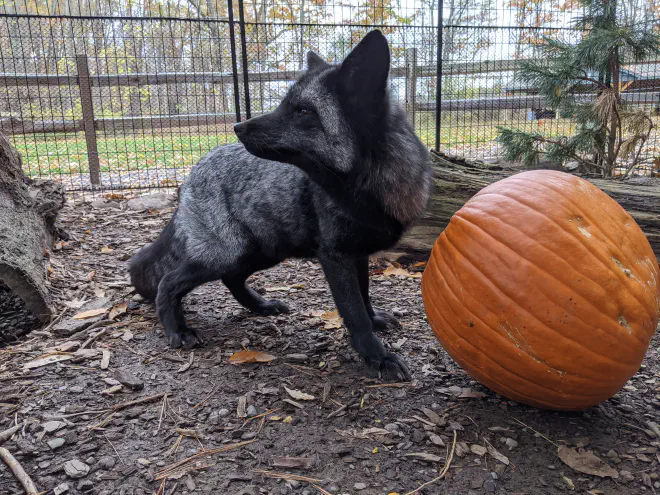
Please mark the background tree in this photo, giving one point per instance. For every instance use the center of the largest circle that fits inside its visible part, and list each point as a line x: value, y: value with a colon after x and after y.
x: 568, y: 77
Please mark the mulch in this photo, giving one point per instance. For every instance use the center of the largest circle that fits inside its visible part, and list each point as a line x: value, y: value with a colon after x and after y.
x: 107, y: 408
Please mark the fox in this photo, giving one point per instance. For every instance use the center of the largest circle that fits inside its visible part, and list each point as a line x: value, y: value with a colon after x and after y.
x: 335, y: 172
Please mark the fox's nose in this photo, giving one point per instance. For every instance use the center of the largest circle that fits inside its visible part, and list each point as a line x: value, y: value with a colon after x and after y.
x: 240, y: 128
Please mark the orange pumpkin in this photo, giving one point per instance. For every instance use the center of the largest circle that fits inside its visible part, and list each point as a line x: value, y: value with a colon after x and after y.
x: 545, y: 290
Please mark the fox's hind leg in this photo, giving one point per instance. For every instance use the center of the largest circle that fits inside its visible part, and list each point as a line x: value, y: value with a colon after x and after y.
x: 382, y: 320
x: 248, y: 298
x: 171, y: 290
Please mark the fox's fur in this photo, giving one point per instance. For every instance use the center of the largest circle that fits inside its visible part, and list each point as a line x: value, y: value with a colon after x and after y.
x: 352, y: 177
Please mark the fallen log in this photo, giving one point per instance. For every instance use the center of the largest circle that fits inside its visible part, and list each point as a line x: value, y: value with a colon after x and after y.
x: 27, y: 227
x: 457, y: 180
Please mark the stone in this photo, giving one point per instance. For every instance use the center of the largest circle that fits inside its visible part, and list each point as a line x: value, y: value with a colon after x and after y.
x: 301, y: 358
x: 104, y: 204
x: 360, y: 486
x: 157, y: 201
x: 490, y: 486
x: 223, y: 413
x: 251, y: 411
x: 129, y: 380
x: 61, y: 489
x: 85, y: 486
x: 68, y: 327
x: 76, y: 469
x: 56, y: 443
x: 53, y: 426
x: 107, y: 462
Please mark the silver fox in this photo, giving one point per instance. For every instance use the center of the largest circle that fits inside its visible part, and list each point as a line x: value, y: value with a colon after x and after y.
x: 335, y: 172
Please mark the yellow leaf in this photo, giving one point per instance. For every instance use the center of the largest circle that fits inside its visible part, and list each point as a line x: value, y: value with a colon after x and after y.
x: 118, y: 309
x: 106, y: 250
x: 246, y: 356
x: 90, y: 314
x: 288, y: 419
x: 332, y: 320
x: 393, y: 271
x: 375, y: 451
x: 298, y: 395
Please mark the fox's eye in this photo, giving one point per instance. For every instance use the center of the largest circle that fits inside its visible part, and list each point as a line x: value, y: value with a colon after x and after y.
x: 304, y: 111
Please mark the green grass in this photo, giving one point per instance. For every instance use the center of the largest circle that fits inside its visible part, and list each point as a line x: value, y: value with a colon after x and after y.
x: 66, y: 154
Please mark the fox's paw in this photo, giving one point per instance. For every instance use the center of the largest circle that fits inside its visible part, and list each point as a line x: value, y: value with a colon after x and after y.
x: 273, y: 307
x: 389, y: 367
x: 187, y: 339
x: 383, y: 321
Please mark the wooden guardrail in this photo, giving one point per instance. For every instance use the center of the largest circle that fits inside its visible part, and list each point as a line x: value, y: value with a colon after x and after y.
x: 91, y: 125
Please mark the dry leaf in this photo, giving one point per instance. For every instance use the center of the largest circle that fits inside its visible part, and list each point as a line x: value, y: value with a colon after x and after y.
x: 298, y: 395
x: 106, y: 250
x: 187, y: 365
x: 246, y: 356
x: 118, y: 309
x: 393, y: 271
x: 586, y: 462
x: 480, y: 450
x: 293, y: 462
x: 332, y: 320
x: 241, y: 408
x: 46, y: 360
x: 127, y: 336
x: 91, y: 275
x: 434, y: 417
x: 468, y: 393
x: 90, y: 314
x: 497, y: 455
x: 423, y: 456
x: 112, y: 390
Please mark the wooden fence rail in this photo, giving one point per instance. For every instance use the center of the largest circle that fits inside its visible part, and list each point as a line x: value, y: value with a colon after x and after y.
x: 91, y: 125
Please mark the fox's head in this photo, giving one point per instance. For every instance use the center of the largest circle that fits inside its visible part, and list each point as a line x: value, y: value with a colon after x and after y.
x: 330, y: 116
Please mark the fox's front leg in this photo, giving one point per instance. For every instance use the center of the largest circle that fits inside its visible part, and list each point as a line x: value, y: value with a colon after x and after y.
x: 382, y: 321
x: 343, y: 277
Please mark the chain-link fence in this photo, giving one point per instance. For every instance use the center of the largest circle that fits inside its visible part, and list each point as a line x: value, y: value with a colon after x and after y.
x: 120, y: 94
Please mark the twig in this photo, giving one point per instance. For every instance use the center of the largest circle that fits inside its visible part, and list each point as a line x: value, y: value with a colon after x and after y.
x: 56, y: 320
x: 443, y: 471
x: 538, y: 433
x: 270, y: 411
x: 385, y: 385
x: 90, y: 340
x: 342, y: 408
x: 113, y: 448
x: 286, y: 476
x: 206, y: 453
x: 324, y: 492
x: 7, y: 434
x: 18, y: 472
x: 124, y: 405
x: 200, y: 404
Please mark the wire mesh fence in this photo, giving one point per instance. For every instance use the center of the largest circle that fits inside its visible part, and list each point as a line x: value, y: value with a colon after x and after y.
x: 116, y: 94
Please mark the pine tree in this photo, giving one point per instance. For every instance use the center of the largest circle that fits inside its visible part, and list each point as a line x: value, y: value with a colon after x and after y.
x: 581, y: 81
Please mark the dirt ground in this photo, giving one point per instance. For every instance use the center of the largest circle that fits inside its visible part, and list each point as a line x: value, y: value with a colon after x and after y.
x: 107, y: 408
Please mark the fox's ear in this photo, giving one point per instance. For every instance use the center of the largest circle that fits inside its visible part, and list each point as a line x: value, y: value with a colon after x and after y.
x: 364, y: 72
x: 315, y: 62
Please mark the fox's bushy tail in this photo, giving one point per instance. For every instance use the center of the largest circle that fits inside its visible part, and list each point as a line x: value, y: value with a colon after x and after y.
x: 152, y: 262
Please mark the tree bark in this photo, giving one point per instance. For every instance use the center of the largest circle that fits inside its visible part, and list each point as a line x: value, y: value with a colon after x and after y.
x: 457, y: 180
x: 27, y: 227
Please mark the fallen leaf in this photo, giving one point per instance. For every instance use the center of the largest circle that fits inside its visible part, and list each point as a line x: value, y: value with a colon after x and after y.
x: 46, y: 360
x: 90, y: 314
x: 112, y: 390
x: 480, y: 450
x: 241, y: 408
x: 423, y: 456
x: 288, y: 419
x: 91, y: 275
x: 497, y: 455
x: 434, y: 417
x: 393, y: 271
x: 106, y: 250
x: 246, y: 356
x: 468, y: 393
x: 298, y: 395
x: 332, y: 320
x: 117, y: 310
x: 569, y: 482
x: 293, y: 462
x: 127, y: 336
x: 187, y: 365
x: 586, y: 462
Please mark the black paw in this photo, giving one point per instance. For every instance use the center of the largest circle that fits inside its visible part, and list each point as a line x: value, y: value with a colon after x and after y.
x: 272, y: 307
x: 187, y: 339
x: 389, y: 367
x: 383, y: 321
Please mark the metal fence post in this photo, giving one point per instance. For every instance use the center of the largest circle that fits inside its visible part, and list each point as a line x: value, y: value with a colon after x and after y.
x: 85, y: 88
x: 246, y: 77
x: 411, y: 83
x: 234, y: 67
x: 438, y: 75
